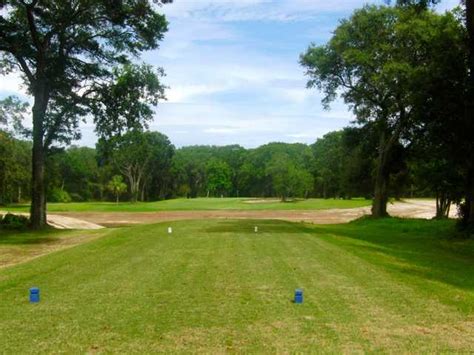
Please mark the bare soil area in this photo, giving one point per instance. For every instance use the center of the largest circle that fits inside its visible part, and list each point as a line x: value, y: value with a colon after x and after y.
x: 66, y: 222
x: 410, y: 209
x: 262, y: 200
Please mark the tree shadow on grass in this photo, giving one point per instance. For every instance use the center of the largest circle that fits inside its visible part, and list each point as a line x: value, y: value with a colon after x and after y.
x: 419, y: 248
x: 26, y: 237
x: 423, y: 249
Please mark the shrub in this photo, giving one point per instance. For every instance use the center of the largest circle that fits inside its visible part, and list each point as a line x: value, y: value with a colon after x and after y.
x: 12, y: 221
x: 58, y: 195
x: 75, y: 197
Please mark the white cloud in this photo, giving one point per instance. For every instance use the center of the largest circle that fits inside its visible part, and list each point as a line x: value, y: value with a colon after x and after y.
x: 221, y: 130
x: 12, y: 84
x: 257, y: 10
x: 297, y: 95
x: 189, y: 93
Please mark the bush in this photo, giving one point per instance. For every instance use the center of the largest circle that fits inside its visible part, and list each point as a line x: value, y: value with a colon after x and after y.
x: 75, y: 197
x: 12, y: 221
x: 58, y: 195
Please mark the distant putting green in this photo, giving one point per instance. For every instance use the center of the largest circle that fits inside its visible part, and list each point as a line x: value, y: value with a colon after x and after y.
x: 202, y: 204
x: 216, y: 286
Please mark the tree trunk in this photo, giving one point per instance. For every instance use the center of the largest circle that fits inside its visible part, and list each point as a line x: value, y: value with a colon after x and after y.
x: 3, y: 199
x: 134, y: 186
x: 143, y: 192
x: 469, y: 212
x: 379, y: 203
x: 38, y: 193
x: 469, y: 112
x: 443, y: 204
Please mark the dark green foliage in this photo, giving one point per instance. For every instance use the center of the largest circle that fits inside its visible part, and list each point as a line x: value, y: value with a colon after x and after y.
x: 339, y: 165
x: 125, y: 103
x: 58, y: 195
x: 12, y: 115
x: 191, y: 170
x: 159, y: 179
x: 359, y: 146
x: 219, y: 176
x: 15, y: 168
x: 255, y: 177
x: 397, y: 68
x: 14, y: 222
x: 419, y: 5
x: 79, y: 170
x: 117, y: 186
x: 329, y: 162
x: 143, y: 158
x: 288, y: 180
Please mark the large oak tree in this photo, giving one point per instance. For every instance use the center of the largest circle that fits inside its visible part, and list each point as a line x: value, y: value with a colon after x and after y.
x: 67, y: 52
x: 466, y: 129
x: 375, y: 60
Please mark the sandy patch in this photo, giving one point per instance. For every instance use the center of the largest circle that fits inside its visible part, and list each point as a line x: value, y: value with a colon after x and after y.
x: 65, y: 222
x: 409, y: 209
x: 412, y: 208
x: 265, y: 200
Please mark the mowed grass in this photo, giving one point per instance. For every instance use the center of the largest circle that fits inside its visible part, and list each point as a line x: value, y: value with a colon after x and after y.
x: 18, y: 247
x: 202, y: 204
x: 213, y: 286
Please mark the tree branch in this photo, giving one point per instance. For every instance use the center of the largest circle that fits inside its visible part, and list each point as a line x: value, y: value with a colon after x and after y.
x: 31, y: 23
x: 25, y: 68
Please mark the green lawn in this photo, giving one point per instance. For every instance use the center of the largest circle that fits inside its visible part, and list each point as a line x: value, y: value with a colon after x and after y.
x: 17, y: 247
x: 214, y: 286
x: 202, y: 204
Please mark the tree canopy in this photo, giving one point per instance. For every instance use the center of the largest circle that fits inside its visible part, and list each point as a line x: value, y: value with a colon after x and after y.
x: 375, y: 60
x: 76, y: 58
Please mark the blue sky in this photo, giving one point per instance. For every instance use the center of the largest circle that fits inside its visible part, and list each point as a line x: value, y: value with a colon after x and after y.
x: 233, y: 73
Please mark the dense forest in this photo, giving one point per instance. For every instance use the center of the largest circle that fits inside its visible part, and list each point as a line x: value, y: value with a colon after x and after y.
x: 145, y: 166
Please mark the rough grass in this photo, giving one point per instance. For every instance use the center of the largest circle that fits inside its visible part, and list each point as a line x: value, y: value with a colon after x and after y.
x: 202, y: 204
x: 216, y: 286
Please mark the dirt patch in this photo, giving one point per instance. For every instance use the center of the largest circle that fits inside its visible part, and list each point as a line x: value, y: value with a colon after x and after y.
x: 265, y: 200
x: 129, y: 218
x: 409, y: 209
x: 65, y: 222
x: 415, y: 208
x: 96, y: 220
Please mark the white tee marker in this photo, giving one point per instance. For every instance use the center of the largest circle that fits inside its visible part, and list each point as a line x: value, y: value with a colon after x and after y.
x: 170, y: 230
x: 255, y: 229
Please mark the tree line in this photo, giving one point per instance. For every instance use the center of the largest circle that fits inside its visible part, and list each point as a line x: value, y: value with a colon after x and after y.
x: 145, y: 166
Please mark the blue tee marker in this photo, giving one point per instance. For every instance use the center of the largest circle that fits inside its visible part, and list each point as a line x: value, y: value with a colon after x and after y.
x: 34, y: 295
x: 298, y: 296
